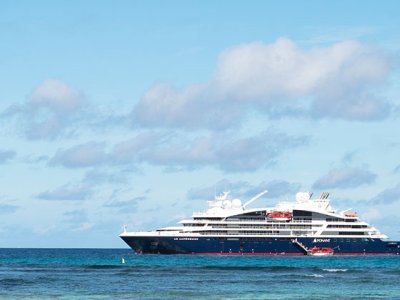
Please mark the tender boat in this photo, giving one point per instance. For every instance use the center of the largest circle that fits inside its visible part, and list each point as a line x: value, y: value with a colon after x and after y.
x: 279, y: 215
x: 320, y: 251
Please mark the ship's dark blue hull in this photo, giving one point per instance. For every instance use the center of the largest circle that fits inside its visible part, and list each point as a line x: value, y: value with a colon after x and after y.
x: 258, y: 246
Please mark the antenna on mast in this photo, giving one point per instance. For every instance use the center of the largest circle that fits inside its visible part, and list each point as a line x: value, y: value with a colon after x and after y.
x: 254, y: 198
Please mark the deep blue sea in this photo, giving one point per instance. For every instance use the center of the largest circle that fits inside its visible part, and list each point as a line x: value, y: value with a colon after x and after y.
x: 100, y: 274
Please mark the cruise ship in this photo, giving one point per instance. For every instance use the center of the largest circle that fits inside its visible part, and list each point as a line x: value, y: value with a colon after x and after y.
x: 305, y: 226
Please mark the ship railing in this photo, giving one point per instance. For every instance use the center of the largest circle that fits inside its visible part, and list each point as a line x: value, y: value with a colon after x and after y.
x: 262, y: 226
x: 252, y: 220
x: 258, y: 235
x: 298, y: 220
x: 238, y: 234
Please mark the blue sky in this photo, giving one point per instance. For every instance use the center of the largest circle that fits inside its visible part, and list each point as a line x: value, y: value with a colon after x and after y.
x: 137, y: 112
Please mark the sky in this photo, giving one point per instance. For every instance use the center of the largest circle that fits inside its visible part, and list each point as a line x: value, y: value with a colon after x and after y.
x: 136, y: 113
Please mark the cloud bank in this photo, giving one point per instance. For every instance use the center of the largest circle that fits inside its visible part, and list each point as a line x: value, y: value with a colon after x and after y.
x: 274, y: 80
x: 232, y: 154
x: 326, y: 82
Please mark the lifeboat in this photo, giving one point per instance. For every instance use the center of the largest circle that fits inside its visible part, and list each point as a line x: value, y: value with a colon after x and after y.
x: 279, y: 216
x: 320, y: 251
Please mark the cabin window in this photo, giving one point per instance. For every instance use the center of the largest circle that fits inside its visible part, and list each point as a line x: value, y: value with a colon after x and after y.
x: 351, y: 233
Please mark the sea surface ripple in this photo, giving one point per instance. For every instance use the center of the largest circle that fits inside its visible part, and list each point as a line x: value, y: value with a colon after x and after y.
x: 101, y: 274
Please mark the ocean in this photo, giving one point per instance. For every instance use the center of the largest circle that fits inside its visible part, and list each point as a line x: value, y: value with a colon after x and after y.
x: 101, y: 274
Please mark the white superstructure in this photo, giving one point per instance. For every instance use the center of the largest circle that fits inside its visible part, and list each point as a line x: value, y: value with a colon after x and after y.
x: 305, y: 217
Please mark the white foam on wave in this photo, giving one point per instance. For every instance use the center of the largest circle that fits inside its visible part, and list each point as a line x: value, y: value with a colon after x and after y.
x: 314, y: 275
x: 335, y: 270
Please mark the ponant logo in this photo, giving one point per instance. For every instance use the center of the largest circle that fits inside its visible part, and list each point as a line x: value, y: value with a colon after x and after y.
x: 321, y: 240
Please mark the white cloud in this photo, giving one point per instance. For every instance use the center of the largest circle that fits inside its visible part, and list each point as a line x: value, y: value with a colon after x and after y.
x: 345, y: 178
x: 49, y: 128
x: 98, y: 176
x: 336, y: 77
x: 387, y: 196
x: 182, y: 152
x: 275, y: 77
x: 56, y: 95
x: 237, y: 154
x: 242, y: 154
x: 67, y: 192
x: 84, y: 155
x: 128, y: 151
x: 252, y: 153
x: 259, y: 71
x: 192, y: 107
x: 52, y: 109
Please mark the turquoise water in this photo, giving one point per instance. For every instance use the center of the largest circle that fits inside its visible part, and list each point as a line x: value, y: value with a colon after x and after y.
x: 99, y: 274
